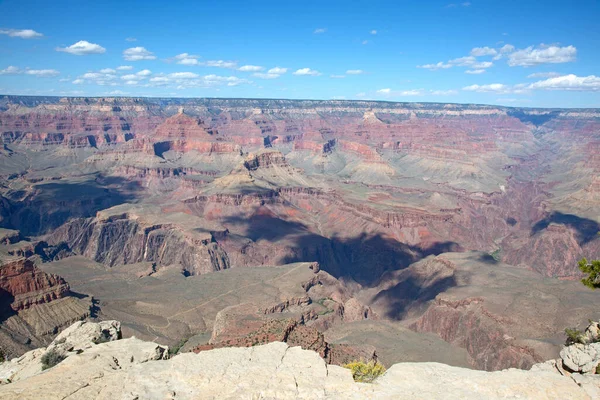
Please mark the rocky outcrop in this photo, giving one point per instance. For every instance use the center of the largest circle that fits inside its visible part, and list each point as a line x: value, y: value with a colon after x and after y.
x: 137, y: 369
x: 23, y: 285
x: 119, y: 239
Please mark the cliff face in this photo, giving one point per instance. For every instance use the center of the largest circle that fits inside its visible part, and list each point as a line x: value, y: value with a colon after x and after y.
x: 35, y: 305
x: 23, y: 285
x: 138, y: 369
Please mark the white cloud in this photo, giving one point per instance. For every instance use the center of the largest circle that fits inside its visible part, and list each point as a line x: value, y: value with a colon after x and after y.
x: 21, y: 33
x: 250, y: 68
x: 78, y: 81
x: 277, y: 70
x: 365, y: 42
x: 144, y: 72
x: 385, y: 91
x: 475, y: 71
x: 220, y: 64
x: 44, y: 73
x: 130, y: 39
x: 108, y: 71
x: 373, y: 32
x: 137, y: 54
x: 483, y: 51
x: 320, y: 30
x: 443, y: 92
x: 307, y: 71
x: 82, y: 48
x: 186, y: 59
x: 337, y: 76
x: 467, y: 61
x: 543, y: 55
x: 569, y: 82
x: 361, y: 94
x: 491, y: 88
x: 507, y: 48
x: 117, y: 93
x: 543, y: 75
x: 435, y: 67
x: 125, y: 68
x: 262, y: 75
x: 11, y: 70
x: 183, y: 75
x: 355, y: 72
x: 413, y: 92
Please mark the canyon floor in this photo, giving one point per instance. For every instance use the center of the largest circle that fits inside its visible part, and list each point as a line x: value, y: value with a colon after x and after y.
x: 397, y: 231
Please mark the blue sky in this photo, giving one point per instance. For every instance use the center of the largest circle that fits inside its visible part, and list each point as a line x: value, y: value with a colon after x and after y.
x: 522, y: 53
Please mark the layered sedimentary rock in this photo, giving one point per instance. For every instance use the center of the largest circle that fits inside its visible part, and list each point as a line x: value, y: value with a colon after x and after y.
x: 34, y: 305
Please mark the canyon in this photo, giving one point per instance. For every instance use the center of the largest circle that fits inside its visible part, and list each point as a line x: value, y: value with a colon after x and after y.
x: 357, y: 229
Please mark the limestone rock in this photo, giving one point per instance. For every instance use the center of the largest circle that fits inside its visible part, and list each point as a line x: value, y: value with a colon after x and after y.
x: 581, y: 357
x: 76, y: 338
x: 133, y: 369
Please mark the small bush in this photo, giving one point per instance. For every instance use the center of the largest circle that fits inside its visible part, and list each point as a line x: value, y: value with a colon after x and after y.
x: 591, y: 268
x: 573, y: 336
x: 2, y: 356
x: 51, y: 358
x: 598, y: 369
x: 365, y: 372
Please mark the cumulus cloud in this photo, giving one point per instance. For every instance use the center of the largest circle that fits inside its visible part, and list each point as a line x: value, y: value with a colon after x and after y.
x: 320, y: 30
x: 137, y: 54
x: 21, y: 33
x: 532, y: 56
x: 373, y: 32
x: 78, y: 81
x: 183, y: 75
x: 125, y: 68
x: 355, y: 72
x: 43, y: 73
x: 131, y: 39
x: 219, y: 64
x: 475, y: 71
x: 337, y: 76
x: 250, y: 68
x: 483, y: 51
x: 10, y: 70
x: 186, y: 59
x: 543, y: 75
x: 443, y: 92
x: 108, y: 71
x: 569, y: 82
x: 384, y: 91
x: 435, y: 67
x: 389, y: 92
x: 467, y: 61
x: 491, y: 88
x: 82, y: 48
x: 273, y: 73
x: 306, y: 72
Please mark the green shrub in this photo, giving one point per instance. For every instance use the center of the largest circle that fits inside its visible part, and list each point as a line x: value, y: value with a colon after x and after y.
x: 593, y: 269
x: 573, y: 336
x: 51, y: 358
x: 598, y: 369
x: 365, y: 372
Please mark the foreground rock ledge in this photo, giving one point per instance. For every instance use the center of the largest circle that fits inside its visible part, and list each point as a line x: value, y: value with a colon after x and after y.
x: 134, y: 369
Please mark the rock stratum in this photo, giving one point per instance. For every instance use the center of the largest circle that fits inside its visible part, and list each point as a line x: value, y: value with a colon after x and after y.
x: 132, y: 368
x: 397, y: 231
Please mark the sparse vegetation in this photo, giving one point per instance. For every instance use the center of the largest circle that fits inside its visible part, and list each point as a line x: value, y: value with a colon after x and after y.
x: 2, y: 356
x: 598, y: 369
x: 573, y: 336
x: 365, y: 371
x: 593, y: 269
x: 175, y: 349
x: 51, y: 358
x: 496, y: 254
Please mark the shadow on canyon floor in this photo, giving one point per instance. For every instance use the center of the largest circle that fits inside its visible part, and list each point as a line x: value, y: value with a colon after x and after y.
x: 587, y: 229
x: 364, y: 258
x: 53, y: 204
